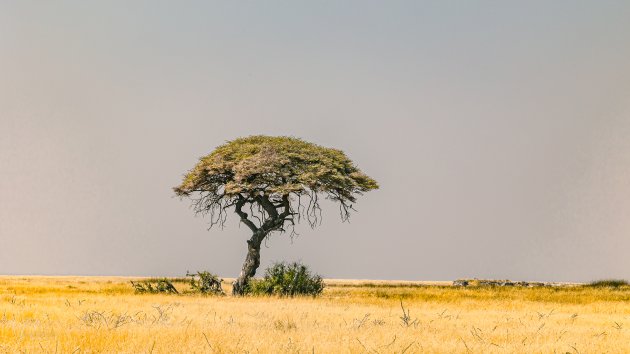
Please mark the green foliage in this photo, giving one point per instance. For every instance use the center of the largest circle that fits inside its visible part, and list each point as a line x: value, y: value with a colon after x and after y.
x: 609, y: 283
x: 200, y: 283
x: 205, y: 283
x: 154, y: 286
x: 276, y: 166
x: 287, y: 279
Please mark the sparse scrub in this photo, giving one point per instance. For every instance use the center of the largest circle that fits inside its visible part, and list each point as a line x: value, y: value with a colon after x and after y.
x: 202, y: 282
x: 284, y: 325
x: 154, y: 286
x: 98, y: 319
x: 287, y: 279
x: 205, y: 283
x: 405, y: 319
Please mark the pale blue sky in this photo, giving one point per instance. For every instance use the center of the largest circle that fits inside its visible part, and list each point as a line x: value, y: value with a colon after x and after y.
x: 499, y: 132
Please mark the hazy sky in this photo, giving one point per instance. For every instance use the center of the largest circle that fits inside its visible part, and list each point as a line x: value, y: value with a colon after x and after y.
x: 499, y: 132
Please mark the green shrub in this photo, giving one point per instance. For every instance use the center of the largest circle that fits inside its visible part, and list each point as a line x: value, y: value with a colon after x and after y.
x: 154, y: 286
x: 205, y: 283
x: 608, y: 283
x: 287, y: 279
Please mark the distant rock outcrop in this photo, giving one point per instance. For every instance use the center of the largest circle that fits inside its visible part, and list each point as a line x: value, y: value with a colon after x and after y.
x: 491, y: 282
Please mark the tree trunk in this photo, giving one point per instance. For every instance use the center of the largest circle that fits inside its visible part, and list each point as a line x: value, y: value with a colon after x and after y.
x: 252, y: 261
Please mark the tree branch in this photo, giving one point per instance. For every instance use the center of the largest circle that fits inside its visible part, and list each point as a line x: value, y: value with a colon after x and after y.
x: 243, y: 215
x: 264, y: 201
x: 286, y: 204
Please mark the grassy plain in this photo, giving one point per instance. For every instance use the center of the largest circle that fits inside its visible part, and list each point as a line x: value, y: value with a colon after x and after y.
x: 103, y: 315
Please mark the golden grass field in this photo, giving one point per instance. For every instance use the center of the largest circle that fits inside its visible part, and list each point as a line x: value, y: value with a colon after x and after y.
x: 103, y: 315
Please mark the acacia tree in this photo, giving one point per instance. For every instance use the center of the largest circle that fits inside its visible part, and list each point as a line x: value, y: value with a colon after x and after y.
x: 272, y: 183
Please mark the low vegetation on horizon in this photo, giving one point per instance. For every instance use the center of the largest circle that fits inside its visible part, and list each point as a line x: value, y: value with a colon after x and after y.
x: 106, y: 315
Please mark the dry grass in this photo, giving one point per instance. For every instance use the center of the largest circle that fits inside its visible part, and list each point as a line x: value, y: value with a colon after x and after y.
x: 102, y: 314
